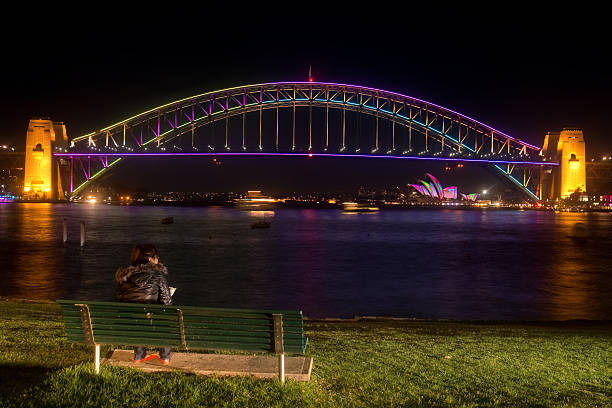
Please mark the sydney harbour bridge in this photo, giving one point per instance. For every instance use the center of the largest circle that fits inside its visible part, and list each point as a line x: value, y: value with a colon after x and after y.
x: 314, y: 119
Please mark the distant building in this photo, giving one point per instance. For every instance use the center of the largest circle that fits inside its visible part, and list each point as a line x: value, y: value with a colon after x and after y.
x: 11, y: 170
x: 434, y: 189
x: 568, y: 149
x: 599, y: 176
x: 42, y: 178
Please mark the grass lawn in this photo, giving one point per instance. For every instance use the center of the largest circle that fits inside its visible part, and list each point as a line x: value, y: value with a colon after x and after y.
x: 356, y: 364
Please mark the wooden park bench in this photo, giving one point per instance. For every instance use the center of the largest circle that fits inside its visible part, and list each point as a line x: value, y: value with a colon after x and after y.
x: 185, y: 327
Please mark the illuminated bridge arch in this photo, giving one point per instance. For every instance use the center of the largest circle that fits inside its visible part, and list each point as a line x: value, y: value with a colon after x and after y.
x: 399, y: 127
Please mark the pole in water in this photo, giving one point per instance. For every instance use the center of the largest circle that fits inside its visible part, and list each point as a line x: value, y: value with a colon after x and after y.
x: 64, y: 231
x: 82, y: 233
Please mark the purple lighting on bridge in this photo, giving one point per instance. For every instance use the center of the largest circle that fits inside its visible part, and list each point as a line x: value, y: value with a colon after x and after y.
x: 366, y: 156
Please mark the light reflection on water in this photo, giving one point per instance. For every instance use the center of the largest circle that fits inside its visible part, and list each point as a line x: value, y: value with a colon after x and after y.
x: 448, y: 264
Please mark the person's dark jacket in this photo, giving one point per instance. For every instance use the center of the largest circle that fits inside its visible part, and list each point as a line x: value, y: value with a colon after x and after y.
x: 143, y: 284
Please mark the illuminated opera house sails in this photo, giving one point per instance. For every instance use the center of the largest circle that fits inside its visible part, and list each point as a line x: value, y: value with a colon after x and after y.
x: 434, y: 189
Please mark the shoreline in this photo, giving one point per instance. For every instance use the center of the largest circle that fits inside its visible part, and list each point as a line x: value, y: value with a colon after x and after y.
x: 386, y: 319
x: 323, y: 206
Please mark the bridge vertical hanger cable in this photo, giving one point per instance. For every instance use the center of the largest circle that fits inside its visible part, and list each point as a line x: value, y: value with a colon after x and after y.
x: 326, y: 118
x: 244, y: 120
x: 460, y: 141
x: 71, y: 174
x: 277, y: 105
x: 293, y: 137
x: 192, y: 124
x: 211, y: 103
x: 176, y: 131
x: 260, y: 113
x: 426, y: 127
x: 359, y: 124
x: 393, y: 130
x: 226, y: 121
x: 158, y: 128
x: 377, y: 110
x: 376, y: 145
x: 410, y: 137
x: 358, y: 132
x: 410, y: 130
x: 443, y: 134
x: 343, y: 119
x: 310, y: 120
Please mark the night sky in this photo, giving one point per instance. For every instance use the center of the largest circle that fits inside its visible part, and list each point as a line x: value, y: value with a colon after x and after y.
x: 522, y: 72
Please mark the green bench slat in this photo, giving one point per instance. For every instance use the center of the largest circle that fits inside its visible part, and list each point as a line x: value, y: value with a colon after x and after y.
x: 152, y: 306
x: 207, y: 319
x: 137, y: 341
x: 268, y: 329
x: 95, y: 315
x: 214, y: 319
x: 113, y: 320
x: 237, y: 339
x: 133, y: 328
x: 234, y: 333
x: 131, y: 315
x: 142, y: 322
x: 173, y: 314
x: 187, y: 324
x: 232, y: 315
x: 140, y: 310
x: 125, y: 323
x: 143, y: 334
x: 294, y: 319
x: 224, y: 326
x: 189, y: 335
x: 75, y: 337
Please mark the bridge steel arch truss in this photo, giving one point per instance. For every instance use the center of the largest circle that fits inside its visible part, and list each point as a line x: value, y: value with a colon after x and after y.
x: 442, y: 134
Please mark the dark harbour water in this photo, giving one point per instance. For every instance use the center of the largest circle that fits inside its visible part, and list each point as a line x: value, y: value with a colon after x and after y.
x: 441, y: 264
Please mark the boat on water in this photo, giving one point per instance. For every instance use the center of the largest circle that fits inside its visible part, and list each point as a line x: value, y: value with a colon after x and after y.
x: 255, y: 201
x: 167, y: 220
x: 359, y: 207
x: 260, y: 224
x: 6, y: 198
x: 579, y: 232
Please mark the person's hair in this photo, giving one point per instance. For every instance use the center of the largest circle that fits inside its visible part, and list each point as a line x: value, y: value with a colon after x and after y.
x: 141, y: 254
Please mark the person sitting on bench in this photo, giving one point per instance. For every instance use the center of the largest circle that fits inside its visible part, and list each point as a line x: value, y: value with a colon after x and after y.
x: 144, y: 281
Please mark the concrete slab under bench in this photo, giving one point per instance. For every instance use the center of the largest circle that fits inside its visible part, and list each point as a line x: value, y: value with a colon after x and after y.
x: 297, y: 368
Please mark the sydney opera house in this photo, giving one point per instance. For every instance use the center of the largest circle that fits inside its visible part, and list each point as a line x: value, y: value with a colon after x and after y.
x: 434, y: 189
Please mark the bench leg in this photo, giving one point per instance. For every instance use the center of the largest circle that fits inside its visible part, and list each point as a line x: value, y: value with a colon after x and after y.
x: 281, y: 367
x: 97, y: 358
